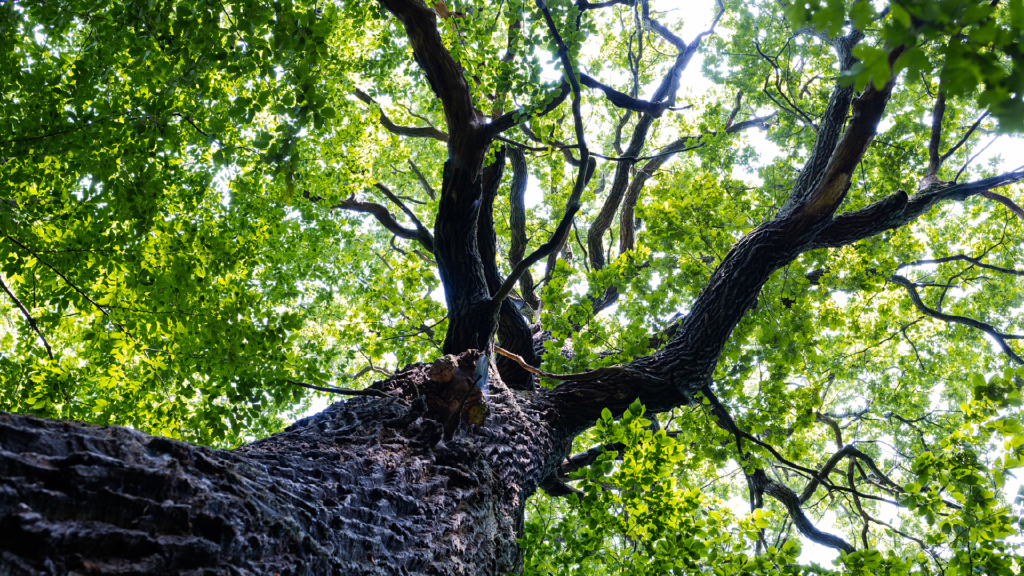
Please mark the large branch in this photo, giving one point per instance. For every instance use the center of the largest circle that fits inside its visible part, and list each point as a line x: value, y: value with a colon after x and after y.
x: 622, y: 100
x: 583, y: 174
x: 423, y: 235
x: 897, y: 210
x: 830, y: 129
x: 689, y: 359
x: 1010, y: 204
x: 517, y: 223
x: 791, y: 501
x: 666, y: 95
x: 935, y: 138
x: 513, y: 331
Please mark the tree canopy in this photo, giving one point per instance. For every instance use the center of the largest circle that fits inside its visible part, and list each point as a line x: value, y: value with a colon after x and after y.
x: 208, y: 208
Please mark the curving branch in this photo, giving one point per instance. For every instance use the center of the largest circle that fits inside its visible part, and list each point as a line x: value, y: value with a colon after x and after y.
x: 760, y: 481
x: 821, y: 475
x: 444, y: 74
x: 665, y: 94
x: 517, y: 223
x: 830, y: 128
x: 383, y: 216
x: 1010, y: 204
x: 510, y: 119
x: 411, y: 131
x: 996, y: 335
x: 898, y: 209
x: 965, y: 258
x: 422, y: 234
x: 627, y: 226
x: 28, y: 317
x: 624, y: 101
x: 72, y: 285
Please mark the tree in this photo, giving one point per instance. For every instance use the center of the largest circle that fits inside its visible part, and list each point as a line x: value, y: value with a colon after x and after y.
x: 210, y: 208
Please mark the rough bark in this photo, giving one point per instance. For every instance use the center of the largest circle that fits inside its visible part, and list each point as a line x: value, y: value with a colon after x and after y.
x: 369, y: 486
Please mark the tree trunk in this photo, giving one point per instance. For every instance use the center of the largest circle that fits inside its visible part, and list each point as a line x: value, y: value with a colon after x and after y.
x: 405, y: 484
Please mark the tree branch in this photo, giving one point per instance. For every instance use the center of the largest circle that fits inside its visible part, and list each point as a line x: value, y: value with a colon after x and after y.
x: 382, y: 215
x: 422, y: 234
x: 934, y: 159
x: 760, y: 483
x: 72, y: 285
x: 423, y: 180
x: 789, y: 499
x: 999, y: 337
x: 1010, y: 204
x: 963, y: 257
x: 517, y: 223
x: 897, y: 210
x: 583, y: 174
x: 28, y: 317
x: 621, y: 100
x: 411, y: 131
x: 443, y: 73
x: 964, y: 138
x: 510, y: 119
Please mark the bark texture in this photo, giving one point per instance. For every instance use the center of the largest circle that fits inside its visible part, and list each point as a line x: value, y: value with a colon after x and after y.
x: 369, y: 486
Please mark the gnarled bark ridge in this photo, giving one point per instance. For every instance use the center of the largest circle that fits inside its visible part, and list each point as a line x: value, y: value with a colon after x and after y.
x: 368, y: 486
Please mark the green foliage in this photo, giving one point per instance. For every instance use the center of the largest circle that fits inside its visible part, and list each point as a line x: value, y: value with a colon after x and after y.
x: 974, y: 47
x: 644, y: 510
x: 640, y: 514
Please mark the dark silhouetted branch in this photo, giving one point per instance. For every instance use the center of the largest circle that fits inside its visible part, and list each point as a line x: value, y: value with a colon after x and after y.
x: 996, y: 335
x: 411, y: 131
x: 28, y: 318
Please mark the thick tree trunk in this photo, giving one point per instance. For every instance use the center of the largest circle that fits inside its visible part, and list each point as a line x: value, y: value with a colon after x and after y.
x: 371, y: 485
